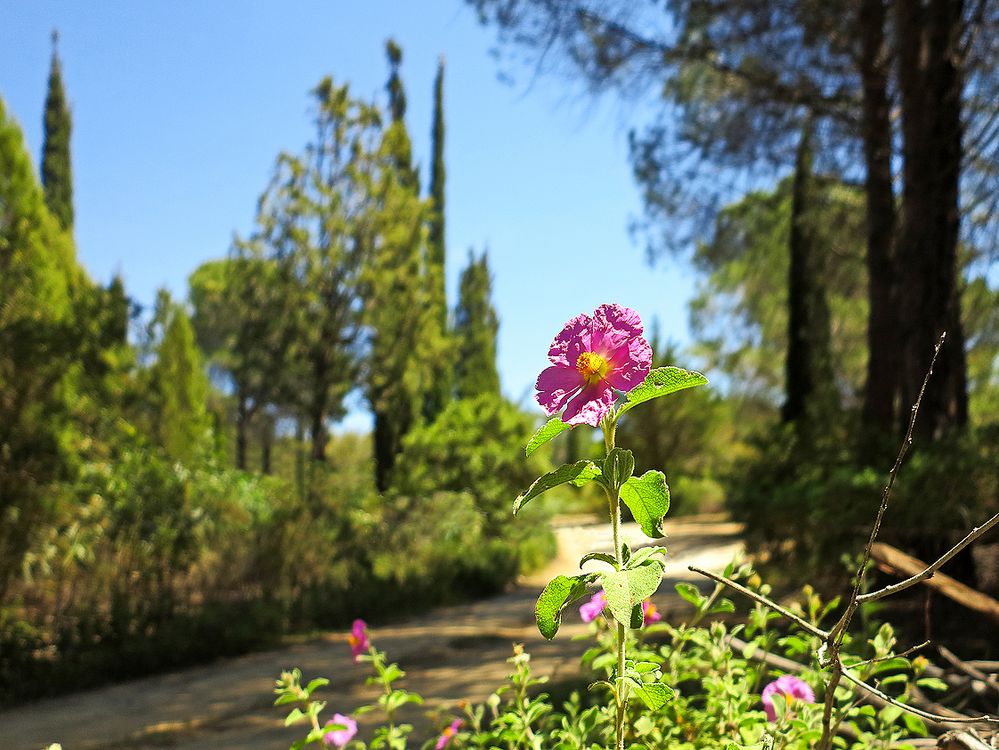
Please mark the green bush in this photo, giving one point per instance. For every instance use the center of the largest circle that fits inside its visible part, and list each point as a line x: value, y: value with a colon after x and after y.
x: 476, y: 447
x: 815, y: 505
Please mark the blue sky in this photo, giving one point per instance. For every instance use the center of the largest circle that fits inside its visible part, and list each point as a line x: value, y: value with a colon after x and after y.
x: 180, y: 109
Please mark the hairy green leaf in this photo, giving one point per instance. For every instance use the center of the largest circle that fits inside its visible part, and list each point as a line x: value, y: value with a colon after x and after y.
x: 560, y: 592
x: 627, y: 588
x: 550, y: 429
x: 647, y: 497
x: 578, y: 473
x: 661, y: 382
x: 655, y: 695
x: 618, y: 467
x: 602, y: 556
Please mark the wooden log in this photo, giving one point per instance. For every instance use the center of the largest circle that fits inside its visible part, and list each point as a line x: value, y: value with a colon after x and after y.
x: 962, y: 741
x: 896, y: 562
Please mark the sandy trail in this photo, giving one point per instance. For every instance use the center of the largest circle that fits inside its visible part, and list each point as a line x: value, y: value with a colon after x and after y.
x: 449, y: 654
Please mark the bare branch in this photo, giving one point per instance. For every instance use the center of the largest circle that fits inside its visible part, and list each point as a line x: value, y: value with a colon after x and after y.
x: 928, y: 572
x: 802, y: 623
x: 918, y: 711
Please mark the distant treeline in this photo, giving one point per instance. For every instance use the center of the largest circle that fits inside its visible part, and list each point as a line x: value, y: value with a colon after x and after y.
x: 169, y: 486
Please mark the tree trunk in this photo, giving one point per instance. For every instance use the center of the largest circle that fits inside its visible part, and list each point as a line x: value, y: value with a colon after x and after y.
x: 882, y: 386
x: 266, y: 443
x: 930, y: 83
x: 242, y: 427
x: 385, y: 450
x: 318, y: 435
x: 809, y: 377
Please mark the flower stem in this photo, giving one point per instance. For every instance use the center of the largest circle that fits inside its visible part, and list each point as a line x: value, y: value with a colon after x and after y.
x: 614, y: 506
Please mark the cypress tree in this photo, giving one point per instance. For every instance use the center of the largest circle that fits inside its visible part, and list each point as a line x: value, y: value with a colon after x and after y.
x: 441, y: 387
x: 402, y: 147
x: 57, y: 170
x: 809, y: 378
x: 37, y: 351
x: 406, y: 342
x: 181, y: 388
x: 475, y: 329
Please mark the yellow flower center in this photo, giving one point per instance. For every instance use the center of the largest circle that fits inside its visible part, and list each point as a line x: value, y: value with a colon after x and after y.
x: 592, y: 367
x: 353, y: 640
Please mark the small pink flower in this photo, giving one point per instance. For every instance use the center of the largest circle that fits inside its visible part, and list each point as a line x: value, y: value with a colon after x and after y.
x: 649, y: 613
x: 447, y: 734
x: 592, y: 609
x: 592, y: 357
x: 358, y: 639
x: 340, y: 737
x: 791, y: 687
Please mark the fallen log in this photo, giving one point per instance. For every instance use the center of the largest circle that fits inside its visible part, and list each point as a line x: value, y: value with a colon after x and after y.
x: 896, y: 562
x: 962, y: 741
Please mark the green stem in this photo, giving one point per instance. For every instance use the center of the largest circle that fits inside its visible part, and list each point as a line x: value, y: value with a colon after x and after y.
x: 614, y: 503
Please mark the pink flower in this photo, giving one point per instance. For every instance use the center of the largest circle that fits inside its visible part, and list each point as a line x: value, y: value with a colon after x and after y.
x: 591, y: 358
x: 447, y: 734
x: 340, y: 737
x: 358, y: 639
x: 791, y: 687
x: 592, y: 609
x: 650, y: 613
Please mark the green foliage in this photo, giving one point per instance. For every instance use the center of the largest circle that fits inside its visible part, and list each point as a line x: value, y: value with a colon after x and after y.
x: 38, y: 344
x: 57, y: 167
x: 560, y: 592
x: 474, y: 447
x: 627, y: 589
x: 475, y: 329
x: 739, y: 315
x: 548, y: 431
x: 180, y: 391
x: 440, y: 390
x: 661, y: 382
x: 819, y: 498
x: 577, y: 473
x: 693, y: 438
x: 647, y: 497
x: 696, y: 686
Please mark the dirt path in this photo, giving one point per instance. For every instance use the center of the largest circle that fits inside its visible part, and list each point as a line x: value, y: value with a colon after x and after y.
x: 449, y: 654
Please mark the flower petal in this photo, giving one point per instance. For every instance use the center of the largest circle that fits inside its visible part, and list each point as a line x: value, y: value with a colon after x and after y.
x: 571, y: 341
x: 613, y: 325
x: 590, y: 405
x: 556, y: 385
x: 630, y: 364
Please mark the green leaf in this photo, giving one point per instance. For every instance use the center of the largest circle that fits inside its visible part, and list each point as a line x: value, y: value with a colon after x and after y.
x: 647, y: 497
x: 578, y: 473
x: 602, y: 556
x: 550, y: 429
x: 316, y: 683
x: 618, y: 467
x: 932, y: 683
x: 691, y: 593
x: 661, y: 382
x: 655, y: 695
x: 560, y: 592
x: 644, y: 553
x: 295, y: 715
x: 626, y: 588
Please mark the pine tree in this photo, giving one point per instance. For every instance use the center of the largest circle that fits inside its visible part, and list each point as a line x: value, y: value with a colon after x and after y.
x: 475, y: 329
x: 441, y: 387
x: 57, y: 169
